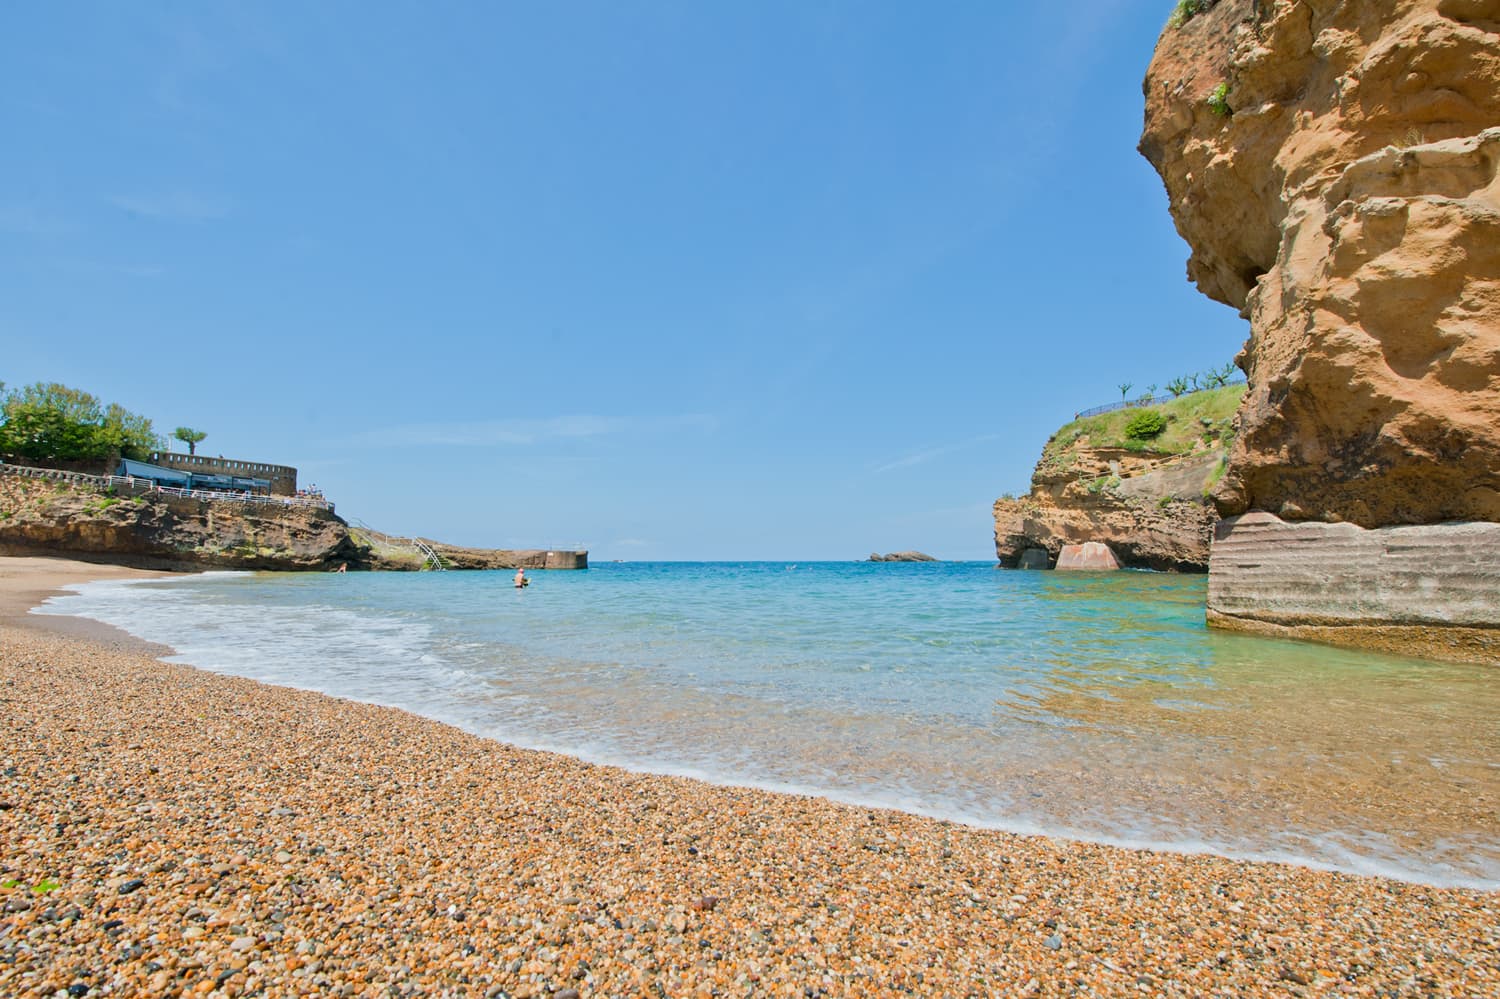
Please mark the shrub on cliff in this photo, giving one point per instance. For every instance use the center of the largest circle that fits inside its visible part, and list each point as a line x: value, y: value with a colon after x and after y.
x: 1186, y: 10
x: 1145, y: 424
x: 45, y: 422
x: 1218, y: 101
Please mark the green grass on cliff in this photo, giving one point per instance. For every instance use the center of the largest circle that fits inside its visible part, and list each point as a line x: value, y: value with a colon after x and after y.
x: 1186, y: 10
x: 1190, y: 418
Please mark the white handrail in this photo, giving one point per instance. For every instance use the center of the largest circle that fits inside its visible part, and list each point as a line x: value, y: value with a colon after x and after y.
x: 431, y: 556
x: 422, y: 547
x: 147, y: 486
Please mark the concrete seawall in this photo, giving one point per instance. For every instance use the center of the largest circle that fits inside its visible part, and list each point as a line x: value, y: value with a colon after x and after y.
x: 1429, y: 590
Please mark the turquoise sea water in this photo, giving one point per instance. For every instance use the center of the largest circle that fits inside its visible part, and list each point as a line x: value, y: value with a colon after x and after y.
x: 1091, y: 706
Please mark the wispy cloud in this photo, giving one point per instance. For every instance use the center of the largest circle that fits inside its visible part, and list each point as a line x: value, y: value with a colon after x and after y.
x: 527, y: 432
x: 174, y: 206
x: 917, y: 458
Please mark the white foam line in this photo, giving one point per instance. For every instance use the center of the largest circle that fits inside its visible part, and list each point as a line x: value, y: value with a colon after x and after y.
x: 1347, y: 862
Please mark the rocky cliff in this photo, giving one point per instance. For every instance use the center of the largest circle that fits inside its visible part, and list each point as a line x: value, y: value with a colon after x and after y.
x: 1145, y: 499
x: 48, y: 515
x: 64, y: 513
x: 1333, y: 168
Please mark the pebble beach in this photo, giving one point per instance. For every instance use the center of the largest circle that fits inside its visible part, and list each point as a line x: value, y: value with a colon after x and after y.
x: 167, y: 831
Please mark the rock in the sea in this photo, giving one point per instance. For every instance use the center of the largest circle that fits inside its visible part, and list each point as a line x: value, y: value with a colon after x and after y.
x: 902, y: 557
x: 1091, y: 555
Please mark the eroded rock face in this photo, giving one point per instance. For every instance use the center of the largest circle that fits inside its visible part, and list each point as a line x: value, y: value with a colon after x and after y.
x: 1149, y: 510
x: 1429, y: 589
x: 37, y: 515
x: 1349, y: 207
x: 153, y: 530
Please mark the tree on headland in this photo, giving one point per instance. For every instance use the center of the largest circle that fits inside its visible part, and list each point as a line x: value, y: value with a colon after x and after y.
x: 128, y: 433
x: 190, y: 437
x: 51, y: 421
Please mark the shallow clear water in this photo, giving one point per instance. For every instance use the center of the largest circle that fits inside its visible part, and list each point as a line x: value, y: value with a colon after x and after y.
x: 1092, y: 706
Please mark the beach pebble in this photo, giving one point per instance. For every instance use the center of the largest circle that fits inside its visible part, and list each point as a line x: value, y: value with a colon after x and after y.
x: 430, y: 862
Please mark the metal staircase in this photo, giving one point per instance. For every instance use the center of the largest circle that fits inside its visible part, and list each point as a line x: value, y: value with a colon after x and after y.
x: 429, y: 556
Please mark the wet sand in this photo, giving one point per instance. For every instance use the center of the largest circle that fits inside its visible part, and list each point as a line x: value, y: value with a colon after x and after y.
x: 209, y: 835
x: 27, y: 580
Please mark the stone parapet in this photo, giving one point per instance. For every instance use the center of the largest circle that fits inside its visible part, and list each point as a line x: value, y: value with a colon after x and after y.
x: 283, y: 477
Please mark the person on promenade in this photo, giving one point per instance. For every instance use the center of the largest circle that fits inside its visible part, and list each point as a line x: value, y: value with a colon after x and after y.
x: 521, y: 579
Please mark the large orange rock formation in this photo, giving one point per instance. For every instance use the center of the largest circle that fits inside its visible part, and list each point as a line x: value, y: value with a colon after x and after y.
x: 1333, y: 167
x: 1349, y: 206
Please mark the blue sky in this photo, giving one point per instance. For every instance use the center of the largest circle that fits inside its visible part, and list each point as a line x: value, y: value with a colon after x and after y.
x: 782, y: 280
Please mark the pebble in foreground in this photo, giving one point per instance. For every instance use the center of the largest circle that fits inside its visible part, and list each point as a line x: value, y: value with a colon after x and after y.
x: 167, y: 831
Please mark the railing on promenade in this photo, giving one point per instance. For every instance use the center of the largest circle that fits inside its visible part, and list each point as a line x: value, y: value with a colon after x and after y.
x: 148, y: 488
x: 145, y: 487
x: 1150, y: 400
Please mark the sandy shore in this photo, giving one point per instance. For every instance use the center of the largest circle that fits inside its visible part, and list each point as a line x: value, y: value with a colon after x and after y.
x: 168, y: 831
x: 27, y: 580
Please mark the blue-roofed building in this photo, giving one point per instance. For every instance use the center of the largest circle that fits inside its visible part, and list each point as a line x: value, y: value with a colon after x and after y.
x: 177, y: 479
x: 282, y: 479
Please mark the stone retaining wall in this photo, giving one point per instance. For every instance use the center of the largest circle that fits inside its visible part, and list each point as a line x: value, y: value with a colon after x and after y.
x: 1429, y: 590
x: 54, y: 475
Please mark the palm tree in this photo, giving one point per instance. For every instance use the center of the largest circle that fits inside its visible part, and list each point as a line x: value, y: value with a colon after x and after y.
x: 190, y: 437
